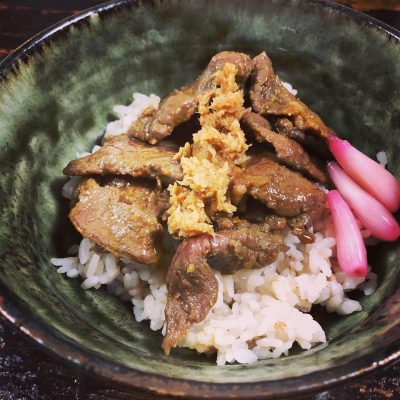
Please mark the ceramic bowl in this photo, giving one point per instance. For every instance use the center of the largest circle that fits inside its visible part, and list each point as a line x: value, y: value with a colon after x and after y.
x: 56, y: 94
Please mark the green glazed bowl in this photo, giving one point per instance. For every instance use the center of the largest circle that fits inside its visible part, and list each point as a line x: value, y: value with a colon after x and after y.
x: 56, y: 94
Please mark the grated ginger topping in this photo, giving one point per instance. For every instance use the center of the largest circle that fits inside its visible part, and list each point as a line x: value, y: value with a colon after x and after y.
x: 187, y: 216
x: 207, y: 164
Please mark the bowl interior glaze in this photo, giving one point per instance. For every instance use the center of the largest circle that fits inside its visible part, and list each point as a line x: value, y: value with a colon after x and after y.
x: 56, y: 100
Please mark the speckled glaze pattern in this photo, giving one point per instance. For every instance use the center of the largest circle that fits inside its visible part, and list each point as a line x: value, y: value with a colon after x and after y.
x: 55, y: 99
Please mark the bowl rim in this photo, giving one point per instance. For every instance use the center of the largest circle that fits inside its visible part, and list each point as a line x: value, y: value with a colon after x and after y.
x: 133, y: 380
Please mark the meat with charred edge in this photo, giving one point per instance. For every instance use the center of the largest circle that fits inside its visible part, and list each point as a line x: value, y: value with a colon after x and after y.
x: 287, y: 150
x: 286, y: 192
x: 269, y: 97
x: 316, y: 145
x: 179, y: 106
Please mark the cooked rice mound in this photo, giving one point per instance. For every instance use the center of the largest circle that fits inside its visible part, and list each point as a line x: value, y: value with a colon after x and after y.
x: 259, y: 313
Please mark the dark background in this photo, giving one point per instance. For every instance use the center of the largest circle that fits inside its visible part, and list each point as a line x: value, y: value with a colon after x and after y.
x: 26, y: 371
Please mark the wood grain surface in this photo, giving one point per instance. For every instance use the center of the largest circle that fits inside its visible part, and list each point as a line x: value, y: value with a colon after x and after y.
x: 29, y: 373
x: 372, y: 4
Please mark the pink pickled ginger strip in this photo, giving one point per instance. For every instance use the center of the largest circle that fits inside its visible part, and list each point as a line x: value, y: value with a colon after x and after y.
x: 372, y: 214
x: 369, y: 174
x: 351, y: 251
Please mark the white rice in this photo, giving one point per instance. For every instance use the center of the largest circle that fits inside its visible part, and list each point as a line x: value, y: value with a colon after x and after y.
x: 382, y: 158
x: 259, y: 313
x: 290, y: 88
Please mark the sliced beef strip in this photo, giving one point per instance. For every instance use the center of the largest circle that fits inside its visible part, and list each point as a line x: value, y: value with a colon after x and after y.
x: 268, y: 96
x: 175, y: 109
x: 158, y: 199
x: 245, y: 246
x: 287, y: 150
x: 181, y: 104
x: 122, y: 155
x: 192, y: 289
x: 286, y: 192
x: 122, y: 219
x: 241, y: 61
x: 224, y: 221
x: 315, y: 144
x: 257, y: 215
x: 192, y: 286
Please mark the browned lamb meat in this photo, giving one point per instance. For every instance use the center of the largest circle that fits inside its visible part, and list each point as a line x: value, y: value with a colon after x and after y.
x: 192, y: 289
x: 181, y: 104
x: 287, y: 150
x: 247, y: 246
x: 121, y: 218
x: 257, y: 215
x: 313, y: 143
x: 122, y: 155
x: 269, y: 97
x: 286, y: 192
x: 192, y: 286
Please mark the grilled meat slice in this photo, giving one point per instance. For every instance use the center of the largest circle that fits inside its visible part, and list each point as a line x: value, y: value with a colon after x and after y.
x: 255, y: 213
x: 269, y: 97
x: 286, y: 192
x: 192, y: 289
x: 179, y: 106
x: 121, y: 218
x: 313, y: 143
x: 246, y: 246
x: 175, y: 109
x: 122, y: 155
x: 287, y: 150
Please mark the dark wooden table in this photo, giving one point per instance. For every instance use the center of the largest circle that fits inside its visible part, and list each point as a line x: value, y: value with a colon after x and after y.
x: 26, y: 371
